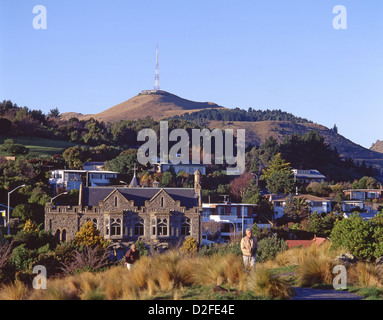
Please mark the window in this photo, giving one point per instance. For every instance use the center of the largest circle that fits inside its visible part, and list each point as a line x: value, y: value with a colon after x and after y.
x: 115, y: 201
x: 317, y: 204
x: 107, y: 227
x: 233, y: 211
x: 162, y: 202
x: 162, y: 227
x: 115, y: 227
x: 154, y: 227
x: 139, y: 228
x: 185, y: 227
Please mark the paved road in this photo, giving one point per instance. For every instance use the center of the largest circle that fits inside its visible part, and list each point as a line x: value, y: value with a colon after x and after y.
x: 319, y: 294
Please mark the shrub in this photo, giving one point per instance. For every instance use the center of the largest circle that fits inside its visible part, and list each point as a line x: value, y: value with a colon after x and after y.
x: 189, y: 246
x: 89, y: 236
x: 268, y: 247
x: 356, y: 235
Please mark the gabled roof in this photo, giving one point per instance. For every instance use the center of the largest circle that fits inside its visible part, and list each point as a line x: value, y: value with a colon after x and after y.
x: 309, y: 197
x: 92, y: 195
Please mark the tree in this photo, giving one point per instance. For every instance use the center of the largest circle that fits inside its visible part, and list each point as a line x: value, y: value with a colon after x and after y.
x: 278, y: 175
x: 13, y: 148
x: 269, y: 247
x: 5, y: 126
x: 296, y: 209
x: 167, y: 179
x: 335, y: 128
x: 356, y: 235
x: 89, y: 236
x: 252, y: 194
x: 124, y: 162
x: 321, y: 225
x: 73, y: 157
x: 239, y: 185
x: 54, y: 113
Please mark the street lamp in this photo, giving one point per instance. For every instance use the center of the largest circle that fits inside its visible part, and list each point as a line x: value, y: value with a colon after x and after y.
x: 9, y: 203
x: 58, y: 196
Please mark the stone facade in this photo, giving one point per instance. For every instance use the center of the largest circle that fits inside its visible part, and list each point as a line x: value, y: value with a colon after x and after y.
x: 158, y: 217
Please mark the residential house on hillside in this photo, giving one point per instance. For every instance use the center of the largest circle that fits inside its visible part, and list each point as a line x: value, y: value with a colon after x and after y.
x: 305, y: 177
x: 160, y: 217
x: 318, y: 204
x: 230, y: 215
x: 72, y: 179
x: 364, y: 194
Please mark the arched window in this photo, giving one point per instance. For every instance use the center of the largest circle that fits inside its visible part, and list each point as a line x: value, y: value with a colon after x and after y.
x: 162, y: 227
x: 186, y: 227
x: 63, y: 235
x: 115, y: 226
x: 58, y: 235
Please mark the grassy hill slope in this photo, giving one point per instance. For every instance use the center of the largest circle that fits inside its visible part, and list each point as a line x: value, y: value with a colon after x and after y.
x: 258, y: 132
x: 39, y: 146
x: 157, y: 106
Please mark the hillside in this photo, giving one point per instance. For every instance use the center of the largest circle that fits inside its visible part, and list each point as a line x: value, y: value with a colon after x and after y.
x: 259, y: 124
x: 258, y: 132
x: 377, y: 146
x: 157, y: 105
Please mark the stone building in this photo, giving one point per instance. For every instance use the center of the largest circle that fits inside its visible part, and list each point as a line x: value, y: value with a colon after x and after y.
x: 158, y: 216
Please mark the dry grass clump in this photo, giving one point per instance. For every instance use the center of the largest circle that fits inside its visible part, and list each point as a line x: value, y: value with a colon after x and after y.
x: 316, y: 270
x: 14, y: 291
x: 263, y: 283
x: 217, y: 270
x: 366, y: 275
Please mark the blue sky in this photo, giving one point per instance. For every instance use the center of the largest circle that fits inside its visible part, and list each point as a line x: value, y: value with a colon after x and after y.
x: 273, y: 54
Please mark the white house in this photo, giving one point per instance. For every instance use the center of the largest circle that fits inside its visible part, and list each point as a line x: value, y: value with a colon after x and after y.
x: 72, y: 179
x: 364, y: 194
x: 318, y: 204
x: 230, y: 215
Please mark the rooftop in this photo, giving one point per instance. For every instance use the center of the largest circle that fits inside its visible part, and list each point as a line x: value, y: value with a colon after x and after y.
x: 92, y: 195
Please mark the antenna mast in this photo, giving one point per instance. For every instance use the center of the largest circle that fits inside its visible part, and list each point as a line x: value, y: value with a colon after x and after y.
x: 157, y: 75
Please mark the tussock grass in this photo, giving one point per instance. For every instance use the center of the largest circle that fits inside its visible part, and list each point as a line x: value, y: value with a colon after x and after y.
x: 366, y: 275
x: 173, y: 276
x: 14, y: 291
x: 263, y: 283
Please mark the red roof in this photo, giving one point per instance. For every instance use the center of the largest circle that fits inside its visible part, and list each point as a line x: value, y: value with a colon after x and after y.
x: 305, y: 243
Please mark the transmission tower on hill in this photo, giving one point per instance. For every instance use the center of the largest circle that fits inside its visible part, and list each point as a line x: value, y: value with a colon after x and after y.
x: 157, y: 75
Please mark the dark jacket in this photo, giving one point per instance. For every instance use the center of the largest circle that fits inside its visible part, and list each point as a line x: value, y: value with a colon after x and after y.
x: 132, y: 256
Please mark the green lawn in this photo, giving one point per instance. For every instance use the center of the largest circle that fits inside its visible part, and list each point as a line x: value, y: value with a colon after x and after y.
x: 39, y: 145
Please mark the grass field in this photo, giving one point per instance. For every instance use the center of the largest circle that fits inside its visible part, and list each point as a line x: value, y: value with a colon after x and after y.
x: 39, y: 145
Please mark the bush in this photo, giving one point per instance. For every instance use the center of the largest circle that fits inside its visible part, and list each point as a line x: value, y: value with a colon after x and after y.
x: 269, y: 247
x: 355, y: 235
x: 189, y: 246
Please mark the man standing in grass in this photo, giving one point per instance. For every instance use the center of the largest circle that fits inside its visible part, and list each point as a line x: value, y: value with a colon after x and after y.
x: 249, y: 246
x: 131, y: 256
